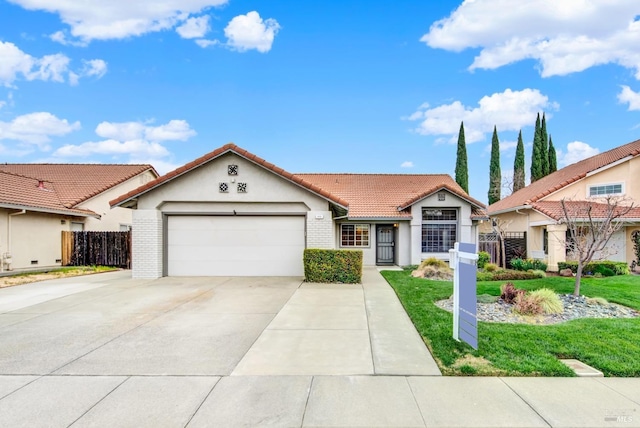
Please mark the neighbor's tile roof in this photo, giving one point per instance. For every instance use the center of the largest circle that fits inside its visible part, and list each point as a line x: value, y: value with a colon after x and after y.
x: 215, y: 154
x: 577, y: 210
x: 564, y: 177
x: 17, y: 191
x: 385, y: 195
x: 75, y: 183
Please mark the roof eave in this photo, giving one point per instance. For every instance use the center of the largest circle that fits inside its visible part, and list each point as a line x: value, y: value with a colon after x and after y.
x: 49, y: 210
x: 408, y: 204
x: 507, y: 210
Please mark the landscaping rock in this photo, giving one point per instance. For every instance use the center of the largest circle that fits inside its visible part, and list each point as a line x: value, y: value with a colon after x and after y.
x: 566, y: 272
x: 574, y: 307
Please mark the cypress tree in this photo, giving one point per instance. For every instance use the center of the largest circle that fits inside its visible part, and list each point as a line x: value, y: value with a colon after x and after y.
x: 544, y: 147
x: 495, y: 175
x: 518, y: 166
x: 553, y: 161
x: 536, y: 155
x: 462, y: 170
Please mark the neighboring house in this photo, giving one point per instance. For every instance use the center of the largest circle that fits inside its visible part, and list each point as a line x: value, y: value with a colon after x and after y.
x: 230, y: 212
x: 536, y: 209
x: 39, y: 201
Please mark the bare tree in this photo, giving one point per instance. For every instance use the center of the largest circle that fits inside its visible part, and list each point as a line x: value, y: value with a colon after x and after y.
x: 590, y: 226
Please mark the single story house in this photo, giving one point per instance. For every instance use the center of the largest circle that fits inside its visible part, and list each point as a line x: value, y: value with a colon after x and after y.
x: 39, y: 201
x: 230, y: 212
x: 536, y: 209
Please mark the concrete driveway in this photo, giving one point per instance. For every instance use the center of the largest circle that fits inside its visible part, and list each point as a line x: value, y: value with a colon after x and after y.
x: 109, y: 351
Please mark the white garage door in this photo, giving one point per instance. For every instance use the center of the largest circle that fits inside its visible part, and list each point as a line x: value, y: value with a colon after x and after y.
x: 235, y: 246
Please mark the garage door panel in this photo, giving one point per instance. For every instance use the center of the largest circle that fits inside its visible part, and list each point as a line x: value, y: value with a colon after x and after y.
x: 235, y: 246
x: 202, y: 253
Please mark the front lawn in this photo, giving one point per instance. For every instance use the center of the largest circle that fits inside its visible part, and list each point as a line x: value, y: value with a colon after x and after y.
x: 610, y: 345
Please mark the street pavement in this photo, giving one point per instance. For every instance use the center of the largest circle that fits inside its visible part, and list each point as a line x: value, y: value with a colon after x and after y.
x: 106, y: 350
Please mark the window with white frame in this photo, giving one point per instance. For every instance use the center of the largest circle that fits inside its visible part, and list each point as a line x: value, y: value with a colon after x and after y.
x: 354, y: 235
x: 606, y: 189
x: 439, y: 230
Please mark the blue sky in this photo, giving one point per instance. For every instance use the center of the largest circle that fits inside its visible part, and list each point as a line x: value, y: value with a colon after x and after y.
x: 324, y: 86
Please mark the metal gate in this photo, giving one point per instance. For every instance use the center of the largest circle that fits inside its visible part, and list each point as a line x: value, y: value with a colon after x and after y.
x: 385, y: 245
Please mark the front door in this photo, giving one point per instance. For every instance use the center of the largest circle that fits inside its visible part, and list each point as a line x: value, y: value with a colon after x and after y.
x: 385, y: 244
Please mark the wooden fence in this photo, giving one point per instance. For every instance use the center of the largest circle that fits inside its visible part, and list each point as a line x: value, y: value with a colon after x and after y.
x: 96, y: 248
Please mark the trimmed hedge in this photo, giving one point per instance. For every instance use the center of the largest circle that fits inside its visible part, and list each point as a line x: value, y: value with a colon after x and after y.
x: 506, y: 275
x: 528, y: 264
x: 333, y: 266
x: 603, y: 267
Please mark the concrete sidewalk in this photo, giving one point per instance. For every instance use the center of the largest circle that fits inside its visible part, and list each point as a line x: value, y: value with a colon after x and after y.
x: 207, y: 352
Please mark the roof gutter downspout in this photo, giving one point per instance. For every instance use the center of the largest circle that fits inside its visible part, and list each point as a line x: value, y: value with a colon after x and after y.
x: 7, y: 254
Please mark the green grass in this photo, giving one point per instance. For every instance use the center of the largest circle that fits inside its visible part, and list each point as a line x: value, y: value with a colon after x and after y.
x: 610, y: 345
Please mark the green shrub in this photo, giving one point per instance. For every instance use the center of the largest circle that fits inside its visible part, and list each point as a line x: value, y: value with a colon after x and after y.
x: 527, y: 304
x: 538, y: 273
x: 333, y: 266
x: 483, y: 259
x: 505, y: 275
x: 486, y: 298
x: 549, y: 300
x: 619, y: 268
x: 484, y: 276
x: 528, y: 264
x: 490, y: 267
x: 517, y: 264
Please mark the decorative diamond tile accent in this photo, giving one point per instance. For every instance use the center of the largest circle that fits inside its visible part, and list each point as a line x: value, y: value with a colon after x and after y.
x: 242, y: 187
x: 224, y: 187
x: 232, y: 169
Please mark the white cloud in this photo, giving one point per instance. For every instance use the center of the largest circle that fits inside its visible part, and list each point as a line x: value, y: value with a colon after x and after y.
x: 161, y: 165
x: 118, y: 19
x: 112, y: 147
x: 406, y: 164
x: 36, y: 128
x: 576, y: 151
x: 15, y: 64
x: 249, y: 31
x: 194, y: 28
x: 508, y: 110
x: 137, y: 140
x: 627, y: 95
x: 205, y: 43
x: 563, y: 36
x: 121, y: 131
x: 94, y: 67
x: 174, y: 130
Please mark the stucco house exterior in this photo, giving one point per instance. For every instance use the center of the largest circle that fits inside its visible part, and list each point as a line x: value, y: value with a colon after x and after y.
x: 536, y: 209
x: 230, y: 212
x: 39, y: 201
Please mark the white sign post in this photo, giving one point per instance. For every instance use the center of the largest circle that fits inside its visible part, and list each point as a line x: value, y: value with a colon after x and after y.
x: 462, y: 260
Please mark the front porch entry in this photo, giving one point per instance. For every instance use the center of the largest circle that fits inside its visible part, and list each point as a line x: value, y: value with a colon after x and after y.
x: 385, y: 244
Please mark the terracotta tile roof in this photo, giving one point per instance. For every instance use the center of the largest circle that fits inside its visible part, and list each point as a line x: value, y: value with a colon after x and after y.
x: 563, y: 177
x: 19, y: 192
x: 75, y: 183
x: 577, y: 209
x: 217, y: 153
x: 385, y: 195
x: 365, y: 195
